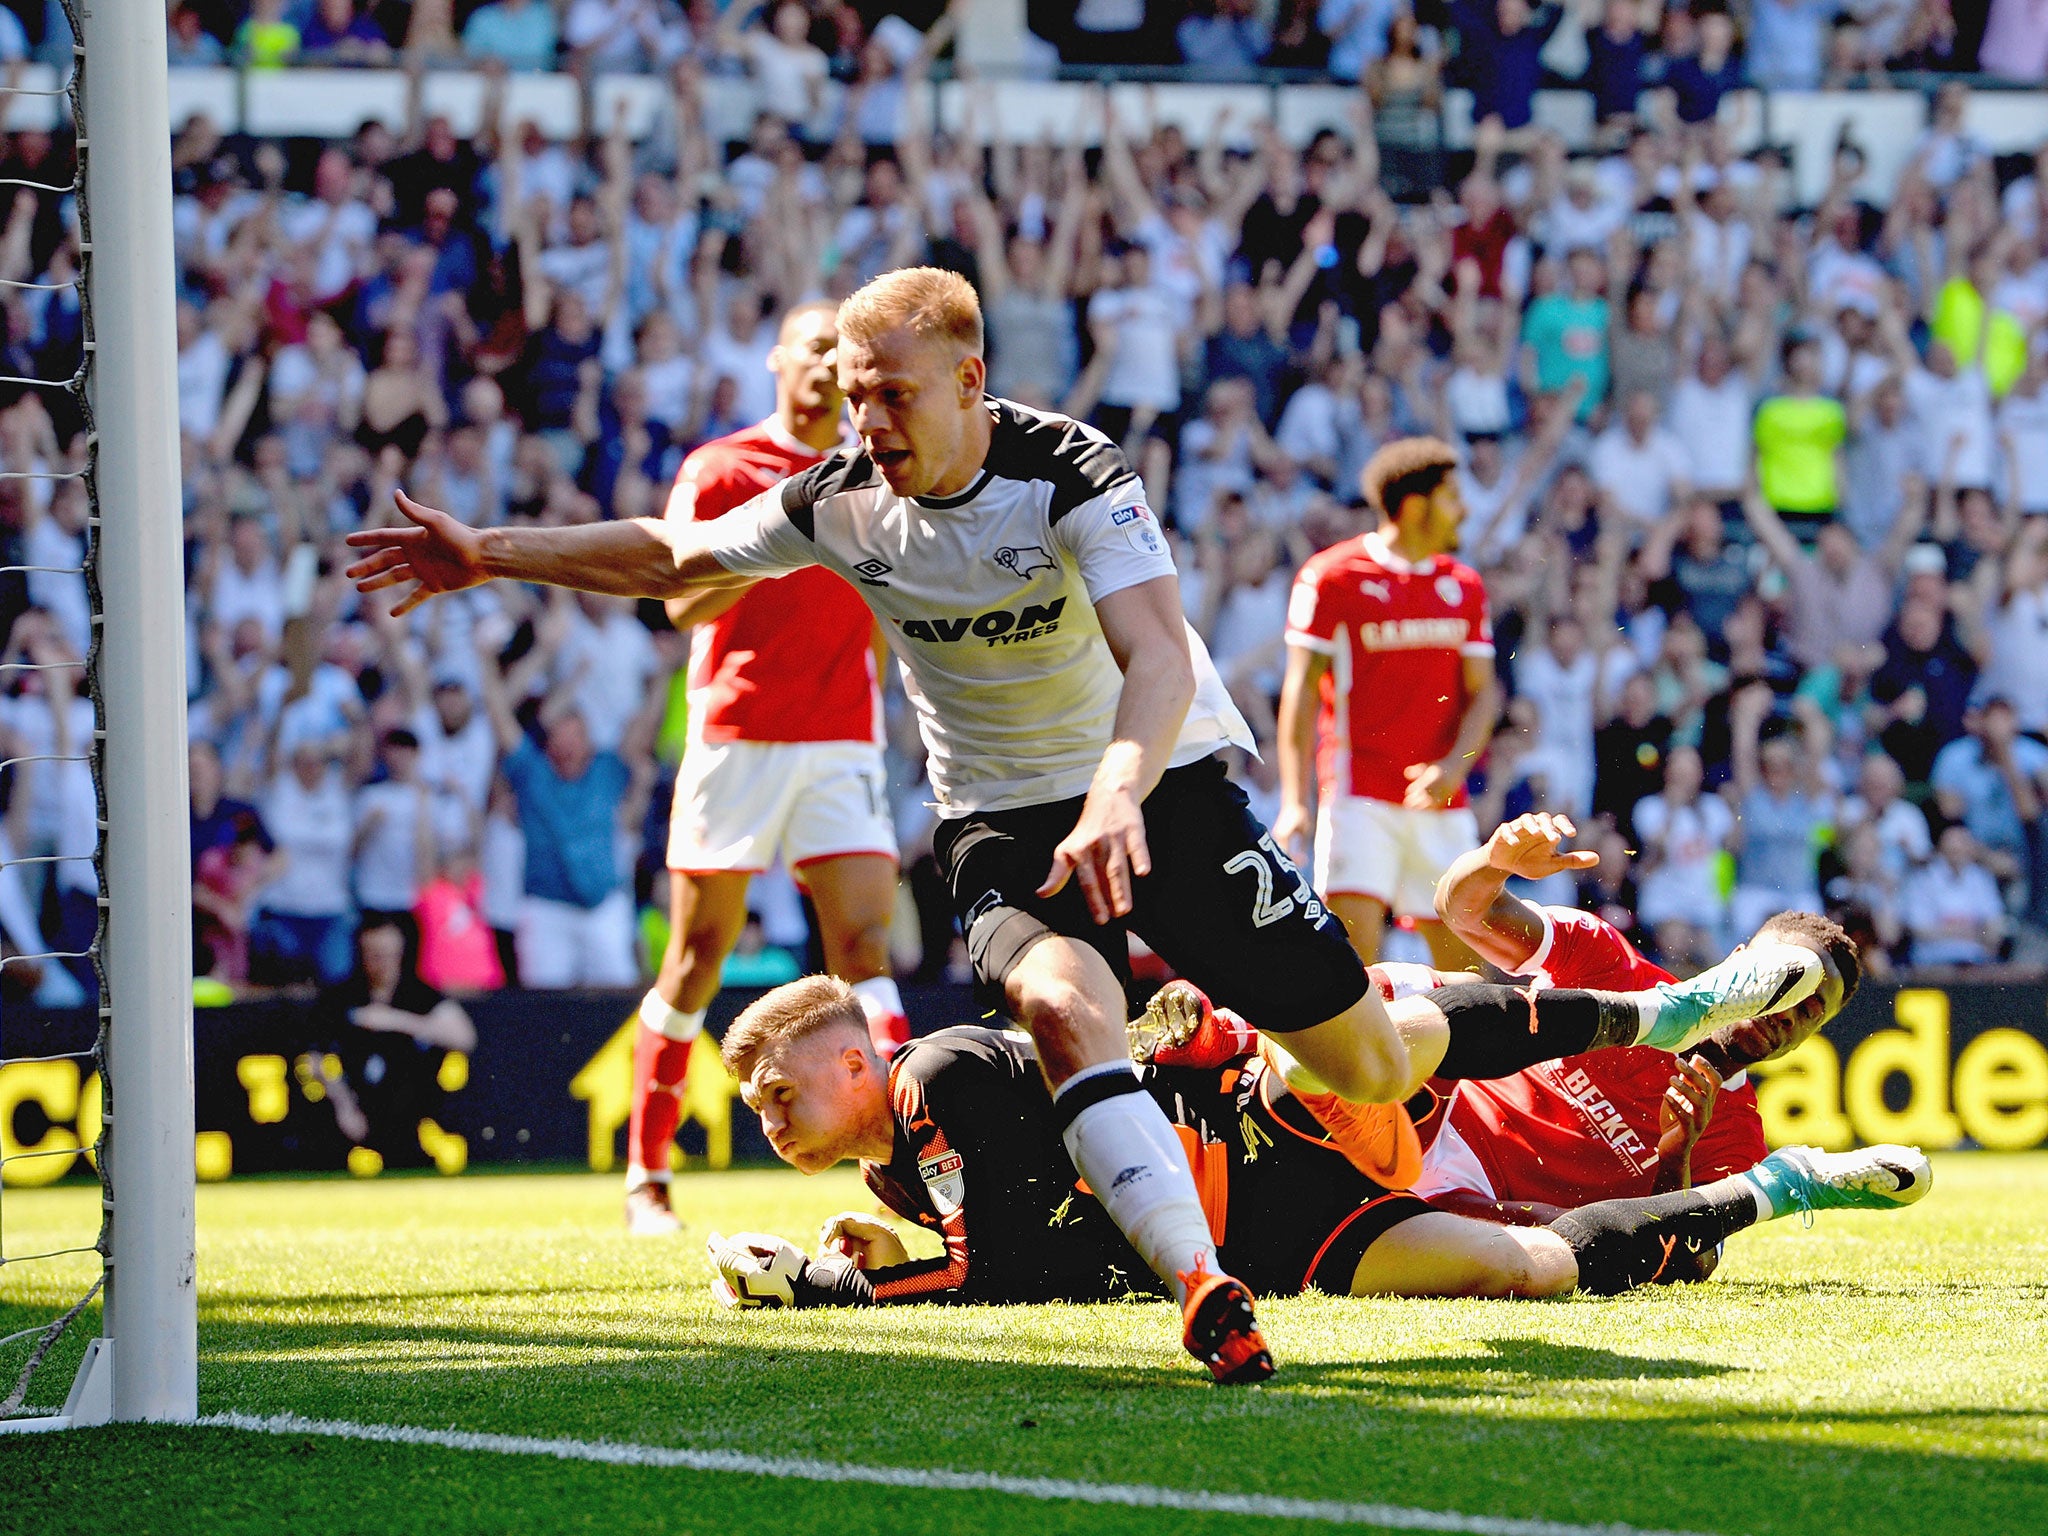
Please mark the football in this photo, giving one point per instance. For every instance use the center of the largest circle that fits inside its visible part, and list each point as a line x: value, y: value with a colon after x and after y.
x: 754, y: 1270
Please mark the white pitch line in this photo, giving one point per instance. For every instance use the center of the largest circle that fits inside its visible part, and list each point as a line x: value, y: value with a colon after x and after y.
x: 802, y: 1469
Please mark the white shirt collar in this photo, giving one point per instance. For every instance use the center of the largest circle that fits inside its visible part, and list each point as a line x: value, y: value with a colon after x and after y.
x: 783, y: 438
x: 1376, y: 545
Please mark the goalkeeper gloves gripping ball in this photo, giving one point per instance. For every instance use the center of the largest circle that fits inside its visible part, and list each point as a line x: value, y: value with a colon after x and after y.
x: 757, y: 1270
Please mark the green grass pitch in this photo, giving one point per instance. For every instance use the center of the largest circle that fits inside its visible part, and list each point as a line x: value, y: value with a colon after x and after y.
x: 1881, y: 1373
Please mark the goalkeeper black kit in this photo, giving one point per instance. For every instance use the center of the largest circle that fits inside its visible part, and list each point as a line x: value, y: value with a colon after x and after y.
x: 979, y: 1161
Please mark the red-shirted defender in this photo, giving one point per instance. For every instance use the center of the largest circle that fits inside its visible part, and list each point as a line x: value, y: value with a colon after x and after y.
x: 784, y: 756
x: 1611, y: 1123
x: 1390, y: 636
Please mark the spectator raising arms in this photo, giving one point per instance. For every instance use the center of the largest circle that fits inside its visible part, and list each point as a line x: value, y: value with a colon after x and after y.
x: 575, y: 802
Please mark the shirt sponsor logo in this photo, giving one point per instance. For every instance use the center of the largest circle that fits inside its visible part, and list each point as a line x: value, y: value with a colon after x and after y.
x: 1601, y: 1114
x: 999, y: 626
x: 1021, y: 560
x: 1123, y: 515
x: 1413, y: 634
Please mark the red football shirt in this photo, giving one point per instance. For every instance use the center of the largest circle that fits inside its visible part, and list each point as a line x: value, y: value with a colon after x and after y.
x: 1397, y: 635
x: 1585, y: 1128
x: 793, y: 660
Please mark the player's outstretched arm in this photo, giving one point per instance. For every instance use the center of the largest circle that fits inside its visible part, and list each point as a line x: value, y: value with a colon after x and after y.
x: 431, y: 553
x: 1473, y: 898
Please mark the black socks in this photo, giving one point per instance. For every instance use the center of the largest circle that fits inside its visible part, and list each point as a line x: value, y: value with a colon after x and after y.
x: 1497, y: 1031
x: 1621, y: 1244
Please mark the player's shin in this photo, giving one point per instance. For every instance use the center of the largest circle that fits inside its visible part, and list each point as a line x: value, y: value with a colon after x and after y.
x: 1497, y: 1031
x: 662, y: 1041
x: 1621, y: 1244
x: 1124, y: 1147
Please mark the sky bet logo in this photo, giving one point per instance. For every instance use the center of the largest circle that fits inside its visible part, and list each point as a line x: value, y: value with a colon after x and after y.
x: 998, y: 626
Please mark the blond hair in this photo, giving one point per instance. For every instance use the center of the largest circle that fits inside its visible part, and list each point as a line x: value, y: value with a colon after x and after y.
x: 792, y: 1011
x: 929, y: 301
x: 1408, y: 466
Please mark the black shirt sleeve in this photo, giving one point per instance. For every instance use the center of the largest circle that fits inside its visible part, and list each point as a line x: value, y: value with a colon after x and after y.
x: 979, y: 1160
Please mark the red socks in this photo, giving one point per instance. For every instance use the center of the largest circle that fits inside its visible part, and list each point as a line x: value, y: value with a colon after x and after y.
x: 663, y: 1037
x: 883, y: 1004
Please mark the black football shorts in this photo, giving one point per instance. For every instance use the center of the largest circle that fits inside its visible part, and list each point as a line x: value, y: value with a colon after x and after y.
x: 1224, y: 906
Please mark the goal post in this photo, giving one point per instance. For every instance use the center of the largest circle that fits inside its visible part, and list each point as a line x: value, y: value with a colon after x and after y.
x: 151, y: 1314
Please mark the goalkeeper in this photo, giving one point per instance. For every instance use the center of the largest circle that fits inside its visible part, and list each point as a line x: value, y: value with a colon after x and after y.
x: 958, y: 1135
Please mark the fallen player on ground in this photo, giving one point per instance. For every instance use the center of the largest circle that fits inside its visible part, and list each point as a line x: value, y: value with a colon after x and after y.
x: 1627, y: 1122
x: 1609, y: 1124
x: 958, y: 1133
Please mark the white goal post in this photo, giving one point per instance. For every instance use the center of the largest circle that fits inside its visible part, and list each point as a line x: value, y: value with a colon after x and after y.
x: 152, y: 1309
x: 145, y: 1364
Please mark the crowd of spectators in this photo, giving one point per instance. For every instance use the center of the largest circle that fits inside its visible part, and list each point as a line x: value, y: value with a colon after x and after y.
x: 1502, y: 50
x: 1760, y: 492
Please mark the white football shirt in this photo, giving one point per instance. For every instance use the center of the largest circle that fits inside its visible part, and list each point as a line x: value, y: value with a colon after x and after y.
x: 988, y: 599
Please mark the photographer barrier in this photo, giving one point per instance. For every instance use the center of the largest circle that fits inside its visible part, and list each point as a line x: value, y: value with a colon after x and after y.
x: 550, y: 1082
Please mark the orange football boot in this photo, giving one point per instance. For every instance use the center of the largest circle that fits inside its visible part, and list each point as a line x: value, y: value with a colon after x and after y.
x: 1220, y: 1330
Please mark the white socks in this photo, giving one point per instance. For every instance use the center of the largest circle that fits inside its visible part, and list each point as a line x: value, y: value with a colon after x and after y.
x: 658, y: 1016
x: 1126, y: 1149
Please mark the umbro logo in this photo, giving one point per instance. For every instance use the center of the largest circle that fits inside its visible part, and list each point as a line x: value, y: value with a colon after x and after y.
x: 1021, y: 561
x: 1378, y: 589
x: 872, y: 571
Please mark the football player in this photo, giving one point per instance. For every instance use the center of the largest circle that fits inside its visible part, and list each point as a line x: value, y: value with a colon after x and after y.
x: 1074, y: 727
x: 1618, y: 1123
x: 1625, y: 1122
x: 958, y: 1134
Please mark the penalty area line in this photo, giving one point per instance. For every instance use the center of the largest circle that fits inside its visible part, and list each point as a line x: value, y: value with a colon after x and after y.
x: 939, y: 1479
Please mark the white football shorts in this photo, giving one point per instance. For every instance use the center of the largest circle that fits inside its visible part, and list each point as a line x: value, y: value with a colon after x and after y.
x: 1449, y: 1163
x: 1388, y: 852
x: 740, y: 803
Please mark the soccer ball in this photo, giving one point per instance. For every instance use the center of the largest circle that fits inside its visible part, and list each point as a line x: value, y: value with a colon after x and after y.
x: 755, y: 1270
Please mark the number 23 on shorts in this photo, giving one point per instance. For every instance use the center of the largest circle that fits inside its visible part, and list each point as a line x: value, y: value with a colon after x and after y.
x: 1263, y: 863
